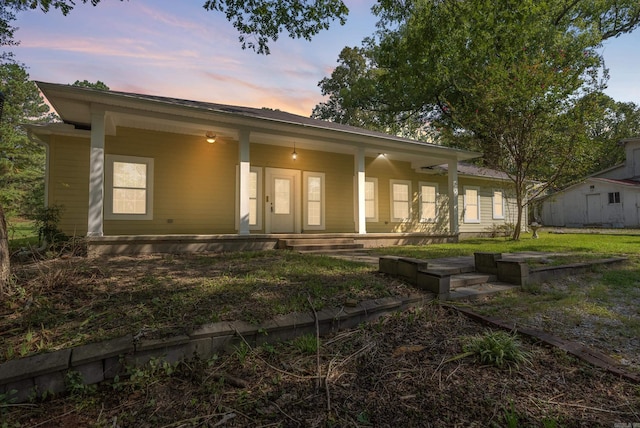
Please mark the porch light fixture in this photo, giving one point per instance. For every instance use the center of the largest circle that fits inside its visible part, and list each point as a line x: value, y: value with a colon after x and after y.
x: 211, y: 137
x: 294, y: 154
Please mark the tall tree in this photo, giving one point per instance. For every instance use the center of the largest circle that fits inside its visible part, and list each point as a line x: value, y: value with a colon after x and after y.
x: 21, y: 159
x: 257, y: 21
x: 499, y: 76
x: 6, y: 39
x: 352, y: 99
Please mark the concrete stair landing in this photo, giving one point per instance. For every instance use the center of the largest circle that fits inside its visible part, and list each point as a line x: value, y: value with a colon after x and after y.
x: 469, y: 279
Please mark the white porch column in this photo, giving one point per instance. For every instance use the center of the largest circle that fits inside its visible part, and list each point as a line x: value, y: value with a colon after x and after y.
x: 243, y: 182
x: 453, y: 197
x: 96, y: 174
x: 361, y: 218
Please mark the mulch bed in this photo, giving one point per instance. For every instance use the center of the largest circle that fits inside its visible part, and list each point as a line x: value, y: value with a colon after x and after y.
x: 394, y: 372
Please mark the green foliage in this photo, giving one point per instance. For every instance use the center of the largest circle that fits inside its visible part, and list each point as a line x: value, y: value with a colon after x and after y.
x: 21, y: 159
x: 511, y: 416
x: 258, y: 22
x: 352, y: 98
x: 242, y: 351
x: 502, y: 77
x: 75, y: 385
x: 504, y: 230
x: 305, y: 344
x: 86, y: 84
x: 45, y: 223
x: 496, y: 348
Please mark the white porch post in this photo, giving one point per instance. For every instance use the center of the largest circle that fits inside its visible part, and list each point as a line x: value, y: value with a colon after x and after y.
x: 453, y: 197
x: 96, y: 174
x: 243, y: 182
x: 361, y: 222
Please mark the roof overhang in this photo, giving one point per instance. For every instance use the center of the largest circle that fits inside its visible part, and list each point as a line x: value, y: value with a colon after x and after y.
x: 75, y: 106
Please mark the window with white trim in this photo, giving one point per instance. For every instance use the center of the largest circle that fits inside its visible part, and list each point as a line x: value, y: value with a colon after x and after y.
x: 313, y: 210
x: 471, y: 205
x: 400, y: 200
x: 128, y: 188
x: 498, y: 204
x: 255, y: 196
x: 371, y: 199
x: 428, y: 202
x: 614, y: 197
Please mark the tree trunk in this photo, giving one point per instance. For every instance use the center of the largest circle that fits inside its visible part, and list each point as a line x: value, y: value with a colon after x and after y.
x: 5, y: 266
x: 518, y: 226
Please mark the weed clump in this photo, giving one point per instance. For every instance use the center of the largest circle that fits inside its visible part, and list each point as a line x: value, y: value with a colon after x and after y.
x: 496, y: 348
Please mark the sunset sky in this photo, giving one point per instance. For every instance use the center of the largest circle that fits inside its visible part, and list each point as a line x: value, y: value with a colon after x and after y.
x: 178, y: 49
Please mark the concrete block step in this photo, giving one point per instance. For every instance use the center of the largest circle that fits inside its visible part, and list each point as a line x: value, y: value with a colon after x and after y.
x: 317, y: 241
x: 469, y: 279
x: 324, y: 248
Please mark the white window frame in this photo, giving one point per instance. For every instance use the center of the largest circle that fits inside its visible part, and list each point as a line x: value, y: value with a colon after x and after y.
x: 493, y: 204
x: 612, y: 195
x: 108, y: 185
x: 259, y: 198
x: 466, y: 211
x: 424, y: 219
x: 392, y: 201
x: 373, y: 180
x: 305, y: 205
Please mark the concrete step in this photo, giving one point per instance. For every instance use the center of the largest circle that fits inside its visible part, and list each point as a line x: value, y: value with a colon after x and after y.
x: 320, y: 245
x: 469, y: 279
x: 314, y: 241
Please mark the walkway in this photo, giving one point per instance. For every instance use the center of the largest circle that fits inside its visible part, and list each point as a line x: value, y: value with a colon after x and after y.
x: 461, y: 267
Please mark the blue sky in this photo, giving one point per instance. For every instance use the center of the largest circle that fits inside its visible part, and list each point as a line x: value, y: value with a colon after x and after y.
x: 177, y: 49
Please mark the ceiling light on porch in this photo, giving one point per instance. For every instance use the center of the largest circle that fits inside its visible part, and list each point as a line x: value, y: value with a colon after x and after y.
x: 382, y: 155
x: 294, y: 155
x: 211, y: 137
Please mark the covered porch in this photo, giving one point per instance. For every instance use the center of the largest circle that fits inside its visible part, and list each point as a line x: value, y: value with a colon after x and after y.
x: 174, y: 244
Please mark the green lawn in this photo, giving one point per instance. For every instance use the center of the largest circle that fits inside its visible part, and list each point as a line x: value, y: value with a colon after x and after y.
x: 21, y: 233
x: 558, y: 243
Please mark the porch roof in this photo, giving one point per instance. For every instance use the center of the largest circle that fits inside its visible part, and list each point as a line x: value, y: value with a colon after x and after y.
x: 75, y: 105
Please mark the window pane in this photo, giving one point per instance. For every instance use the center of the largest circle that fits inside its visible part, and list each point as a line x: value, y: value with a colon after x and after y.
x: 472, y: 212
x: 313, y: 213
x: 370, y: 209
x: 282, y: 196
x: 497, y: 204
x: 128, y: 174
x: 129, y: 201
x: 400, y: 192
x: 253, y: 185
x: 400, y: 200
x: 428, y: 207
x: 313, y: 188
x: 471, y: 204
x: 369, y: 190
x: 369, y: 199
x: 400, y: 210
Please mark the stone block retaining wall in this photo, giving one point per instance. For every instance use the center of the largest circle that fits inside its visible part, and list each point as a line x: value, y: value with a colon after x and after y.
x: 42, y: 374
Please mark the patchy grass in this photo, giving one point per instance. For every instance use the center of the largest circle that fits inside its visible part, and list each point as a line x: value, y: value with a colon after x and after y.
x: 71, y: 301
x: 400, y: 371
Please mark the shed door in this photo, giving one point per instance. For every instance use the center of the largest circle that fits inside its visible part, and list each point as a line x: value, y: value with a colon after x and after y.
x: 594, y: 209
